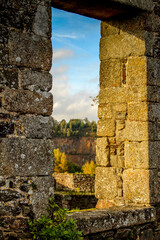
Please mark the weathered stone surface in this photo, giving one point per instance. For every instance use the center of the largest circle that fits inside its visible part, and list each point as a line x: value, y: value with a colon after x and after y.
x: 9, y: 78
x: 32, y: 51
x: 4, y: 55
x: 110, y: 73
x: 137, y: 131
x: 34, y: 126
x: 9, y: 195
x: 138, y: 111
x: 106, y: 183
x: 142, y: 4
x: 105, y: 111
x: 106, y: 128
x: 137, y: 155
x: 25, y: 101
x: 6, y: 128
x: 72, y: 182
x: 153, y: 71
x: 73, y: 200
x: 141, y: 186
x: 136, y: 71
x: 113, y: 95
x: 121, y: 46
x: 23, y: 157
x: 146, y: 234
x: 102, y: 152
x: 102, y: 220
x: 42, y: 20
x: 110, y: 28
x: 41, y: 193
x: 133, y: 191
x: 34, y: 80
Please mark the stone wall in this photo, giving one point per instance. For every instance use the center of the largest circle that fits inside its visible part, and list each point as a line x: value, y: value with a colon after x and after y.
x: 75, y: 201
x: 118, y: 223
x: 78, y: 150
x: 128, y: 150
x: 74, y: 182
x: 26, y: 152
x: 128, y: 147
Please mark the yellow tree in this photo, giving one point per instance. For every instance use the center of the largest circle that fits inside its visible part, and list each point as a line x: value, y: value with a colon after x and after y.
x: 89, y: 168
x: 60, y: 161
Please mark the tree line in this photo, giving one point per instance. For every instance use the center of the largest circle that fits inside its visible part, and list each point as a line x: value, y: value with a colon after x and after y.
x: 75, y: 127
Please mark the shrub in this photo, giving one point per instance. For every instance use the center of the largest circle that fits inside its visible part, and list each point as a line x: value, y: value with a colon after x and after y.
x: 60, y: 161
x: 89, y: 168
x: 55, y: 226
x: 73, y: 168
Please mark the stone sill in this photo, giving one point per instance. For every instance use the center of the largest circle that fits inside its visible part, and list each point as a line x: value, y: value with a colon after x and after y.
x: 96, y: 221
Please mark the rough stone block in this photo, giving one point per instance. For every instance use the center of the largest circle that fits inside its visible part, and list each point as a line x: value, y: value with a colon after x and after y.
x: 153, y: 93
x: 138, y: 111
x: 9, y: 78
x: 106, y: 183
x: 137, y: 155
x: 102, y: 152
x: 106, y: 128
x: 136, y: 71
x: 34, y: 126
x: 136, y: 131
x: 91, y: 222
x: 24, y: 157
x: 110, y: 73
x: 141, y: 186
x: 34, y: 80
x: 40, y: 197
x: 120, y: 107
x: 105, y: 111
x: 154, y: 154
x: 142, y: 94
x: 136, y: 186
x: 154, y: 112
x: 30, y: 50
x: 113, y: 95
x: 42, y: 21
x: 137, y: 94
x: 121, y: 46
x: 109, y: 28
x: 25, y: 101
x: 153, y: 71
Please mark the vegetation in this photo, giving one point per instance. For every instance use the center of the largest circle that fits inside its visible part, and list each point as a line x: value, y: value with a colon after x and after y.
x: 62, y: 165
x: 55, y: 226
x: 75, y: 127
x: 89, y: 168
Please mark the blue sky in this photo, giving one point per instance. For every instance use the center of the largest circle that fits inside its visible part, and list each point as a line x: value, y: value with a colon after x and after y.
x: 75, y: 68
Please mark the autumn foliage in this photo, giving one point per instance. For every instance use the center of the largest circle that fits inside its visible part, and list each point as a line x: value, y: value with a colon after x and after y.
x: 62, y: 165
x: 89, y: 168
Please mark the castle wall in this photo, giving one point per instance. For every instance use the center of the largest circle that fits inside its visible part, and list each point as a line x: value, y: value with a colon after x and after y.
x: 128, y: 149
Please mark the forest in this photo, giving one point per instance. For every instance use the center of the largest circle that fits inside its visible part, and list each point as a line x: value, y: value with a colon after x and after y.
x: 75, y: 127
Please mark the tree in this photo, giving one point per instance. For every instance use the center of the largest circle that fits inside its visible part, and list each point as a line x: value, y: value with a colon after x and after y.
x: 60, y: 161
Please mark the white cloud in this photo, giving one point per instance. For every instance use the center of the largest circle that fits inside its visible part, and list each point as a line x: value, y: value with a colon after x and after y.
x: 65, y: 36
x: 62, y: 53
x: 67, y: 105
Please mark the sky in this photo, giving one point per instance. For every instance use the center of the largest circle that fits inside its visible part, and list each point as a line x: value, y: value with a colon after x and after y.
x: 75, y: 66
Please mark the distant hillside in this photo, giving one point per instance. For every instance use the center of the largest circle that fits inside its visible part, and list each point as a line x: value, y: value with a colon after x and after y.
x: 78, y: 150
x: 75, y: 127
